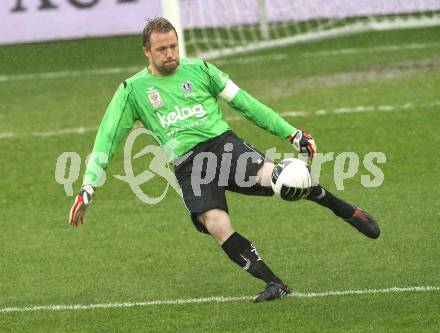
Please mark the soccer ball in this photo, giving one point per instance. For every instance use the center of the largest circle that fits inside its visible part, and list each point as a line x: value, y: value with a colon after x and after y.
x: 291, y: 179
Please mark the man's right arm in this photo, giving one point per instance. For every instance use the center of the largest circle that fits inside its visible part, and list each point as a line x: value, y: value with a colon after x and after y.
x: 116, y: 123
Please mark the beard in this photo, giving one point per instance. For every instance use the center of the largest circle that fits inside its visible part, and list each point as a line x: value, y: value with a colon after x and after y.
x: 168, y: 67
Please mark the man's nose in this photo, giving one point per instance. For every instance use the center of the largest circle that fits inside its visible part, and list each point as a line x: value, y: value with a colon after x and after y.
x: 169, y: 53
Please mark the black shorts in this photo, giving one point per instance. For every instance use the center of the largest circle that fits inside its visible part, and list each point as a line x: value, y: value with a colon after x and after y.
x: 223, y: 163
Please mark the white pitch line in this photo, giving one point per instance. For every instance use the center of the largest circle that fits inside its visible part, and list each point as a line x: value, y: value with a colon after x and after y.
x: 321, y: 112
x: 249, y: 59
x: 214, y: 299
x: 68, y: 74
x: 77, y: 130
x: 386, y: 48
x: 356, y: 109
x: 392, y: 290
x: 7, y: 135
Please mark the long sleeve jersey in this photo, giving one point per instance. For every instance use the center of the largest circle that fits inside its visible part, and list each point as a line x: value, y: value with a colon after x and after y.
x: 181, y: 108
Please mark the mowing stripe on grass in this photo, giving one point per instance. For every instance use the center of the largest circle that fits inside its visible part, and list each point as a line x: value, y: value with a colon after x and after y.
x: 214, y: 299
x: 118, y: 70
x: 224, y: 61
x: 321, y: 112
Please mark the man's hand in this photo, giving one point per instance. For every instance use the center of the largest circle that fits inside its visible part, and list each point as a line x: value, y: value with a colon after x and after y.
x: 303, y: 142
x: 83, y: 199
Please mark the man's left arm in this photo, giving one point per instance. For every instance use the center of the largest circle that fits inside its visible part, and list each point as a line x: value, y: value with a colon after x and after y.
x: 266, y: 118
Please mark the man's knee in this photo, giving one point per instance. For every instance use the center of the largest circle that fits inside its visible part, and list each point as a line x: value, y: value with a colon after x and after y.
x: 214, y: 218
x: 218, y: 224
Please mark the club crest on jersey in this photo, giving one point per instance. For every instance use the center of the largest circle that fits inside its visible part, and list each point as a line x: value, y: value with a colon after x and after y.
x: 187, y: 87
x: 154, y: 97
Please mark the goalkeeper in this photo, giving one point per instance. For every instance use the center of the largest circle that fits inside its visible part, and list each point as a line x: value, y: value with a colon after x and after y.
x: 177, y: 99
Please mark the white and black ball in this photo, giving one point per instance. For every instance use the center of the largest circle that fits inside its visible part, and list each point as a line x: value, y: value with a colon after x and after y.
x: 291, y: 179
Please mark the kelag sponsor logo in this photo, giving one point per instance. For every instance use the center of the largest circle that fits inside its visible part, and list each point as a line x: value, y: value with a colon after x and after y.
x: 181, y: 114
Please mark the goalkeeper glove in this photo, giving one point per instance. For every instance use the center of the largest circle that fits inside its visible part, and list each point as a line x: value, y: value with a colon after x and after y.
x: 303, y: 142
x: 83, y: 199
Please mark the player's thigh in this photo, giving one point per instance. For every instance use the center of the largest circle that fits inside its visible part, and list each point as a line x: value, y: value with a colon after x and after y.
x: 246, y: 165
x: 264, y: 175
x: 198, y: 197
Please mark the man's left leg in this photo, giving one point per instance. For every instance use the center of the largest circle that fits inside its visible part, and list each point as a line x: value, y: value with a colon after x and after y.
x: 351, y: 214
x: 241, y: 251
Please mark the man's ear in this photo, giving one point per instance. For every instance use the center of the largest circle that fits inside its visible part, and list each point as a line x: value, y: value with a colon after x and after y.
x: 146, y: 52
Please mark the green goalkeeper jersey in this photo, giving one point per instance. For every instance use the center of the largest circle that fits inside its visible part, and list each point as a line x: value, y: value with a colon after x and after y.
x: 181, y: 109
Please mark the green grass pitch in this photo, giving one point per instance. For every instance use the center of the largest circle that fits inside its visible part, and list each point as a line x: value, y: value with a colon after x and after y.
x: 132, y: 252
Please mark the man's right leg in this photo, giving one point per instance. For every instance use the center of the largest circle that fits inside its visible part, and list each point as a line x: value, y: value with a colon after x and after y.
x: 356, y: 217
x: 353, y: 215
x: 241, y: 251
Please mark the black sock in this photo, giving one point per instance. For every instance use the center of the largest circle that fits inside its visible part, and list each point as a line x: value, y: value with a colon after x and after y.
x: 243, y: 253
x: 323, y: 197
